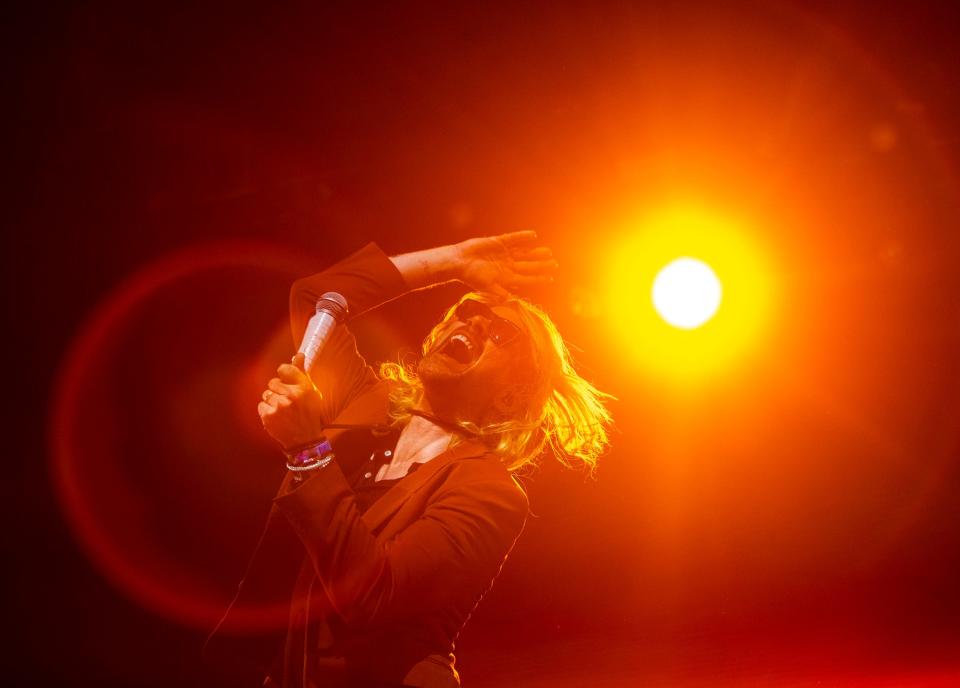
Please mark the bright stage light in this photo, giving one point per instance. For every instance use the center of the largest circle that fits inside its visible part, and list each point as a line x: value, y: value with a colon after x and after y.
x: 686, y: 293
x: 680, y: 257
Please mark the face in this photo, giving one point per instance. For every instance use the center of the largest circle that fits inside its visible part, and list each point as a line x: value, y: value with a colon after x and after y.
x: 479, y: 355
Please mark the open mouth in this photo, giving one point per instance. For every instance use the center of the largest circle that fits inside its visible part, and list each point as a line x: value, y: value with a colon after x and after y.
x: 461, y: 348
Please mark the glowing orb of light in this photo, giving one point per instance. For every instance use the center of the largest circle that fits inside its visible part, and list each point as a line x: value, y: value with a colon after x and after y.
x: 683, y: 333
x: 686, y: 293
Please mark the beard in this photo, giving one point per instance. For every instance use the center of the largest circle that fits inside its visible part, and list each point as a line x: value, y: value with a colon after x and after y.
x: 475, y: 393
x: 455, y: 391
x: 439, y: 373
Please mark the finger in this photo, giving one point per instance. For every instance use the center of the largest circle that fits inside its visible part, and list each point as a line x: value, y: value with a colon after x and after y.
x: 279, y: 387
x: 538, y: 253
x: 535, y: 267
x: 299, y: 361
x: 518, y: 238
x: 291, y: 374
x: 264, y: 409
x: 270, y: 397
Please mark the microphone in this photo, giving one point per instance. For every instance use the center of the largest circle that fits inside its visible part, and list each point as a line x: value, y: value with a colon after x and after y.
x: 331, y: 310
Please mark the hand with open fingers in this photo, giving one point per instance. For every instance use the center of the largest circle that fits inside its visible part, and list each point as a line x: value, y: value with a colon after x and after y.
x: 290, y: 407
x: 505, y: 263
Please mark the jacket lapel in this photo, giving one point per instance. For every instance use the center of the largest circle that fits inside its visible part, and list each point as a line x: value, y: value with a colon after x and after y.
x: 389, y: 503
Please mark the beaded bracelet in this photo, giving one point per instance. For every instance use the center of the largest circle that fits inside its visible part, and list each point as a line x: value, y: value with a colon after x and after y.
x: 319, y: 463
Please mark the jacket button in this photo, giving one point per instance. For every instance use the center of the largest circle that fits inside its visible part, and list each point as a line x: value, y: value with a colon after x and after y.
x: 388, y: 453
x: 368, y: 474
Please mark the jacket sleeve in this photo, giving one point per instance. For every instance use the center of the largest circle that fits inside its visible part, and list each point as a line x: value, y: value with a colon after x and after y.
x: 366, y: 279
x: 449, y: 556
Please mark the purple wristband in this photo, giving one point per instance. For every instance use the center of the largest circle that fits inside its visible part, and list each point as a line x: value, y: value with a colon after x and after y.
x: 310, y: 454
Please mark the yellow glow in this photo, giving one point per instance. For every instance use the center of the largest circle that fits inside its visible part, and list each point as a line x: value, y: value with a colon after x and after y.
x: 686, y: 293
x: 734, y: 261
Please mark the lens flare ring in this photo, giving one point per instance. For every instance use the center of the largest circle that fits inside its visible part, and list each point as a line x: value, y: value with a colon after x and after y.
x: 73, y: 464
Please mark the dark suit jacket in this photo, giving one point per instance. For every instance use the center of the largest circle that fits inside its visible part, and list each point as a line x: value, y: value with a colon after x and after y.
x: 380, y: 596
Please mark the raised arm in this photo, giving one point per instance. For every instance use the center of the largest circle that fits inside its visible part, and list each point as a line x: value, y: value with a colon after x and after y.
x: 366, y: 279
x: 497, y: 264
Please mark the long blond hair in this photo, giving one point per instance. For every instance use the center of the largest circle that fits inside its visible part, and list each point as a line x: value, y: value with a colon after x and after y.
x: 564, y: 412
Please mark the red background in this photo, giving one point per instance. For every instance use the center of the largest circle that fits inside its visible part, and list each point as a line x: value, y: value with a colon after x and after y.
x: 173, y: 168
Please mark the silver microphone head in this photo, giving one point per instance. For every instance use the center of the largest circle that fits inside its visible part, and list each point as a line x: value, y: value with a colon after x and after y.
x: 333, y: 303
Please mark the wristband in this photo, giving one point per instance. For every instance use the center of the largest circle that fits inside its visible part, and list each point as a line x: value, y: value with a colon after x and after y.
x: 311, y: 458
x: 310, y: 454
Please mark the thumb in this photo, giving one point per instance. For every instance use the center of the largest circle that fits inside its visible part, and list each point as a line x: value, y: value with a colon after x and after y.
x: 299, y: 360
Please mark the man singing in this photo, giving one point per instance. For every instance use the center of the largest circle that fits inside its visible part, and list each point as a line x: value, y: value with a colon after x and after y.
x: 399, y: 491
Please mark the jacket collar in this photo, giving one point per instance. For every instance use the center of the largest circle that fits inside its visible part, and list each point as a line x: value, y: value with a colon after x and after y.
x: 372, y: 407
x: 394, y: 498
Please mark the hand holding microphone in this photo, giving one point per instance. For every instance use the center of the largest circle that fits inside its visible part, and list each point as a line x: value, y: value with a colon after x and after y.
x: 291, y: 406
